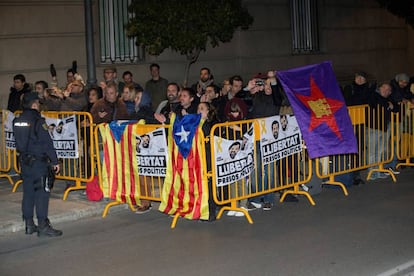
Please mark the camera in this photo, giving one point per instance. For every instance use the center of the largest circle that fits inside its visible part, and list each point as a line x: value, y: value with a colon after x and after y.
x: 51, y: 92
x: 260, y: 82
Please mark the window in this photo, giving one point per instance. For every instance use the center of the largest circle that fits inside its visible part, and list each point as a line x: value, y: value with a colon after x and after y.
x: 115, y: 46
x: 304, y: 19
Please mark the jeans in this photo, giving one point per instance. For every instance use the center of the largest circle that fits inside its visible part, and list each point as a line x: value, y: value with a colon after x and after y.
x: 265, y: 181
x: 394, y: 160
x: 375, y: 145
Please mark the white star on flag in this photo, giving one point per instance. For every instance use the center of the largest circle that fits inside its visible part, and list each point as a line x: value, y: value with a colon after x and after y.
x: 183, y: 134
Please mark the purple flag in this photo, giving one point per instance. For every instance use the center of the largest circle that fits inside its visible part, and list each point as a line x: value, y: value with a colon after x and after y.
x: 320, y: 109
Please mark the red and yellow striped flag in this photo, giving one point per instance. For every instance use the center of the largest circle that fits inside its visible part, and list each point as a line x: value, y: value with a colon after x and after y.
x: 119, y: 167
x: 185, y: 189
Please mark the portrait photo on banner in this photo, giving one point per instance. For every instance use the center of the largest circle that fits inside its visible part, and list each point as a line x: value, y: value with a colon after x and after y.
x: 7, y: 120
x: 64, y: 134
x: 234, y: 159
x: 279, y: 137
x: 151, y: 153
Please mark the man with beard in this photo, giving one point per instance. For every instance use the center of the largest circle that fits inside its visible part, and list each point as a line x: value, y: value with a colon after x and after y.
x: 275, y: 129
x: 59, y: 130
x: 186, y: 105
x: 284, y: 122
x: 145, y: 141
x: 206, y: 79
x: 234, y: 149
x: 172, y: 101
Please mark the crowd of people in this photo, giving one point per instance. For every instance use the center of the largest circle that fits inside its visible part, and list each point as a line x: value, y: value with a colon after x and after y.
x: 383, y: 98
x: 231, y: 100
x: 115, y: 99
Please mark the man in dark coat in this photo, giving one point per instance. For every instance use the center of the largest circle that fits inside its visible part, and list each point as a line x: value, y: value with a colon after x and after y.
x: 20, y: 87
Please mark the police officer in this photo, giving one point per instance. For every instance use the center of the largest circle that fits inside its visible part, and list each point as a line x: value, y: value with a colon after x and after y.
x: 37, y: 157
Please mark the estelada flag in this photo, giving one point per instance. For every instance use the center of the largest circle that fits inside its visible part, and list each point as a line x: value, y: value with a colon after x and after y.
x: 185, y: 189
x: 320, y: 109
x: 120, y: 180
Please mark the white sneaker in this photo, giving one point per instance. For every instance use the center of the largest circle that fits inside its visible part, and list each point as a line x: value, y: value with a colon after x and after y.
x: 238, y: 214
x: 257, y: 205
x: 231, y: 213
x: 394, y: 171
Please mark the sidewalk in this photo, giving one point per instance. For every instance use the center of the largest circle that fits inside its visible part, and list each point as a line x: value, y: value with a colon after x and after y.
x: 75, y: 207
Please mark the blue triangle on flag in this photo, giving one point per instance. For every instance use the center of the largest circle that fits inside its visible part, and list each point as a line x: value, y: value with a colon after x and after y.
x: 117, y: 129
x: 183, y: 132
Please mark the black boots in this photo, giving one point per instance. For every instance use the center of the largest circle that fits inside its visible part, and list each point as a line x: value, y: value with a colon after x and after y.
x: 31, y: 227
x: 45, y: 229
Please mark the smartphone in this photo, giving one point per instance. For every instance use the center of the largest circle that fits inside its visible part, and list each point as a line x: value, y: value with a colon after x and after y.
x: 260, y: 82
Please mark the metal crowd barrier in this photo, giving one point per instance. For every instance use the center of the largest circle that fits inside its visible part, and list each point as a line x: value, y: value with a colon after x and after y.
x: 283, y: 175
x: 405, y: 135
x: 126, y: 188
x: 375, y: 142
x: 286, y: 175
x: 74, y: 170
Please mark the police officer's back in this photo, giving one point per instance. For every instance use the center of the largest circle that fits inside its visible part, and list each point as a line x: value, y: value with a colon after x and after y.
x: 38, y: 159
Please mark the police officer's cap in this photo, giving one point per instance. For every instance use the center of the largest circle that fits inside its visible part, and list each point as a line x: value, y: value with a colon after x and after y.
x: 28, y: 98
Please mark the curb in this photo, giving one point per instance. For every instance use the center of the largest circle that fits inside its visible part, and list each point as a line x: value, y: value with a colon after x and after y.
x: 18, y: 225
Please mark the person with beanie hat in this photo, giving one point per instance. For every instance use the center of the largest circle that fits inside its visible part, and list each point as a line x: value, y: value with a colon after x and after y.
x: 400, y: 93
x: 400, y: 88
x: 362, y: 74
x: 358, y: 91
x: 402, y: 77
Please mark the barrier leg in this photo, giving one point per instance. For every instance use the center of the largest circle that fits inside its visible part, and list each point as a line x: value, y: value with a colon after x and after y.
x: 73, y: 188
x: 233, y: 207
x: 296, y: 191
x: 174, y: 221
x: 381, y: 169
x: 370, y: 172
x: 406, y: 163
x: 332, y: 181
x: 16, y: 185
x: 109, y: 205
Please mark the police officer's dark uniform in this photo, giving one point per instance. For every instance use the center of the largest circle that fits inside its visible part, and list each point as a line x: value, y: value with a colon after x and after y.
x: 36, y: 155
